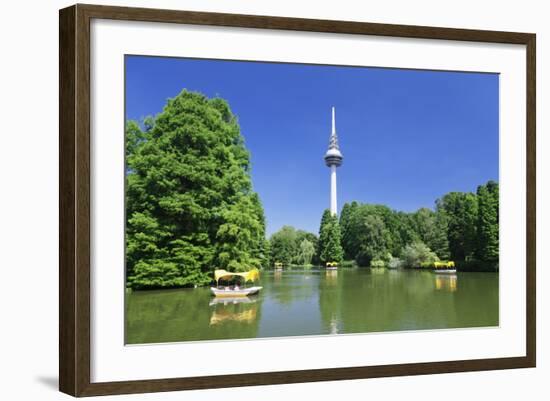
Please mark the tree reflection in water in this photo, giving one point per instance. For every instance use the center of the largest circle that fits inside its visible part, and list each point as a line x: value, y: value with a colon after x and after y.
x: 313, y: 302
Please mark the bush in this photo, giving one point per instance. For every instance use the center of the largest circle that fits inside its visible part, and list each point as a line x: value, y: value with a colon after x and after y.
x: 395, y: 263
x: 348, y: 263
x: 416, y: 254
x: 377, y: 263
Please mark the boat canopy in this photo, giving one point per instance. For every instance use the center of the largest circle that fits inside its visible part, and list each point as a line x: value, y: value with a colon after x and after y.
x: 251, y: 275
x: 449, y: 264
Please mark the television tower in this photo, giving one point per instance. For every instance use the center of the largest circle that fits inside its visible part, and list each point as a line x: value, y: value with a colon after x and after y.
x: 333, y: 159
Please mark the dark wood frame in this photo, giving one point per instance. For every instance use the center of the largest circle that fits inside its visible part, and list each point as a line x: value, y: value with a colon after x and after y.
x: 74, y: 199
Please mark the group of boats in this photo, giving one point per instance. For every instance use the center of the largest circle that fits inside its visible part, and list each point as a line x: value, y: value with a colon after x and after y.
x: 236, y: 290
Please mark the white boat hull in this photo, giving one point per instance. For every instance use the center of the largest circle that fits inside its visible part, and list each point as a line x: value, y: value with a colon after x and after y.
x: 231, y: 293
x: 445, y: 271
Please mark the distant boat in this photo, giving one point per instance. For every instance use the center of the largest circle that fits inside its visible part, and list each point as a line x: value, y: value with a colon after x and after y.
x: 235, y: 291
x: 332, y: 265
x: 444, y: 267
x: 278, y: 266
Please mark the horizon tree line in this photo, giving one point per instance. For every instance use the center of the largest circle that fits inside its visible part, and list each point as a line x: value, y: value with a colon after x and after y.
x: 462, y: 227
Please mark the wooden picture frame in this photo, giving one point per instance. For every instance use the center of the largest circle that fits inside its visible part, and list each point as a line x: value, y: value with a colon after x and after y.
x: 74, y: 199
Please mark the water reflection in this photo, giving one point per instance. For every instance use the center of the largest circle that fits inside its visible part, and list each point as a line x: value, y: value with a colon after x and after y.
x: 378, y: 270
x: 331, y: 277
x: 289, y: 287
x: 236, y: 309
x: 223, y: 315
x: 445, y: 282
x: 229, y: 300
x: 294, y: 303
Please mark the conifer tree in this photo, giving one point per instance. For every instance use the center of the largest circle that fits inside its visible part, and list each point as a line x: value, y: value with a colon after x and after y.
x: 331, y: 249
x: 189, y: 200
x: 487, y: 224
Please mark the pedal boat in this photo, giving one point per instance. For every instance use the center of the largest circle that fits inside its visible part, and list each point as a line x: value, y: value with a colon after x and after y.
x: 235, y: 291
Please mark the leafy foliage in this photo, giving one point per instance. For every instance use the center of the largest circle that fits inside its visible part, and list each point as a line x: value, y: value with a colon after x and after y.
x: 463, y: 226
x: 284, y: 245
x: 323, y: 232
x: 330, y: 249
x: 416, y: 254
x: 461, y: 210
x: 487, y: 225
x: 189, y: 197
x: 306, y: 251
x: 290, y: 246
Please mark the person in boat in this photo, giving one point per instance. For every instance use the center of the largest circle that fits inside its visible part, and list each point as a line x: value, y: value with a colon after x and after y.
x: 236, y: 288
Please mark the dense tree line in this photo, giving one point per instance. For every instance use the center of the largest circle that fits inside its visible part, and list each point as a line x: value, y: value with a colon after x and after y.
x: 189, y: 199
x: 290, y: 246
x: 463, y: 227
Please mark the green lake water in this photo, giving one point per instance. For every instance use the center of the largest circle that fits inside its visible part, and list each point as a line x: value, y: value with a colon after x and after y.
x: 295, y: 303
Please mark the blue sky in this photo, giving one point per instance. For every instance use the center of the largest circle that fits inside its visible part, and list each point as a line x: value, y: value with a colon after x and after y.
x: 407, y: 136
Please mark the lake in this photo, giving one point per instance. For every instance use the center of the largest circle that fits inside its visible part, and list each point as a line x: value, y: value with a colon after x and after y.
x: 315, y: 302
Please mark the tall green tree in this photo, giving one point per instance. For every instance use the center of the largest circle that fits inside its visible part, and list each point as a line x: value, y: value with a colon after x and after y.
x: 326, y: 218
x: 374, y: 239
x: 284, y: 245
x: 189, y: 198
x: 487, y: 224
x: 348, y: 211
x: 431, y: 227
x: 439, y: 242
x: 238, y: 239
x: 302, y: 235
x: 403, y: 231
x: 461, y: 209
x: 331, y: 250
x: 306, y: 251
x: 367, y: 234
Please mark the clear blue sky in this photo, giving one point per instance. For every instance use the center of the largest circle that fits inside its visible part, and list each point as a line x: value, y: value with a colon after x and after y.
x: 407, y: 136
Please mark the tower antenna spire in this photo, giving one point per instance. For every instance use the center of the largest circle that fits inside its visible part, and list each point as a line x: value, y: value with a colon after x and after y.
x: 333, y: 120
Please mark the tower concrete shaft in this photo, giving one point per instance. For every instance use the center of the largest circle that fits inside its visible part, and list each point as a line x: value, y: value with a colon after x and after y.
x: 333, y: 195
x: 333, y: 159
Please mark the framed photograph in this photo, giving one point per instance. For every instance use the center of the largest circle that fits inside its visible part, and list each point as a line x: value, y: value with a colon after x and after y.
x: 249, y: 200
